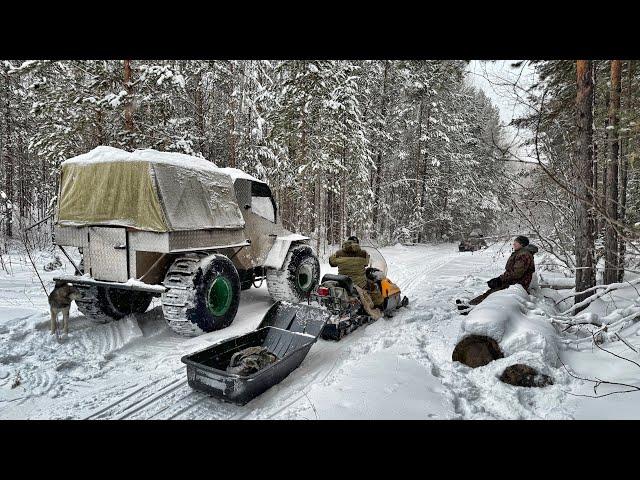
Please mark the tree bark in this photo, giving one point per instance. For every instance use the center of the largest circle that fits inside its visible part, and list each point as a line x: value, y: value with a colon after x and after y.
x: 100, y: 140
x: 128, y: 107
x: 584, y: 234
x: 423, y: 171
x: 8, y: 162
x: 594, y: 70
x: 419, y: 186
x: 625, y: 147
x: 330, y: 219
x: 612, y: 263
x: 603, y: 152
x: 199, y: 104
x: 318, y: 210
x: 22, y: 196
x: 231, y: 134
x: 379, y: 164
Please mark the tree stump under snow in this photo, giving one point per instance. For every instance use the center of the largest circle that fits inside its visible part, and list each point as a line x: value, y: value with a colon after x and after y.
x: 521, y: 375
x: 476, y: 351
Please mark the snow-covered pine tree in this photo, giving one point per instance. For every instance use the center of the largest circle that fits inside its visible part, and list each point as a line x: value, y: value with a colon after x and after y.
x: 349, y: 147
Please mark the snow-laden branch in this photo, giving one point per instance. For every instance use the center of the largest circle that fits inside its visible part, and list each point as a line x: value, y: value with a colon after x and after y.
x: 597, y: 287
x: 591, y: 319
x: 597, y: 382
x: 609, y: 288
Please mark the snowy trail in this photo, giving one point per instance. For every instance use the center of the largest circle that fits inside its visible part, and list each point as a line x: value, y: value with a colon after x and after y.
x: 394, y: 368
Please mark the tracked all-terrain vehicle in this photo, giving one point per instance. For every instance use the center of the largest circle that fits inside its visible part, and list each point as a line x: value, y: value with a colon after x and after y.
x: 158, y: 224
x: 474, y: 241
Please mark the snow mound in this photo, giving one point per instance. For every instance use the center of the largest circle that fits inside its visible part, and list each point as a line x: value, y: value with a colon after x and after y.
x: 508, y: 316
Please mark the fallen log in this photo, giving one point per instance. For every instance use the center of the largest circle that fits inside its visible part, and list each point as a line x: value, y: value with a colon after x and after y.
x: 499, y: 327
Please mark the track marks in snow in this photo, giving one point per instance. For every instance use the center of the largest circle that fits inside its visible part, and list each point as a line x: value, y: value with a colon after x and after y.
x: 131, y: 369
x: 54, y: 367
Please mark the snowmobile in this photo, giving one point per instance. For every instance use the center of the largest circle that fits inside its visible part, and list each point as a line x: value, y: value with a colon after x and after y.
x: 340, y: 296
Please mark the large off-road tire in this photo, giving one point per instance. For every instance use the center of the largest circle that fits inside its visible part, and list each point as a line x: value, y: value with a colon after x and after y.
x: 299, y: 274
x: 104, y: 304
x: 203, y: 294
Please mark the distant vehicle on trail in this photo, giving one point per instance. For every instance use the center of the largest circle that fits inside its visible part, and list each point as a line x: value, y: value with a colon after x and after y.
x: 474, y: 241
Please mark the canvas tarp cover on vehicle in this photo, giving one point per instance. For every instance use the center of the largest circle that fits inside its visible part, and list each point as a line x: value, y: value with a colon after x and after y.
x: 147, y: 196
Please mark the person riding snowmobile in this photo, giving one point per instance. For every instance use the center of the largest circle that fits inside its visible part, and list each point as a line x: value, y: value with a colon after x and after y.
x: 352, y: 261
x: 519, y: 269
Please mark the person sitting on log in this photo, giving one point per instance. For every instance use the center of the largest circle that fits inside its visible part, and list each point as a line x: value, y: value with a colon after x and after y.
x: 519, y: 269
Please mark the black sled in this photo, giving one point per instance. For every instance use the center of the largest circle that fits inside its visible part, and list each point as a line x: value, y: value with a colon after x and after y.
x: 287, y: 331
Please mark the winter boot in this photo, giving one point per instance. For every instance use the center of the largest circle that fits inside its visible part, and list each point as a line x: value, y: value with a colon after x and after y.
x: 367, y: 304
x: 463, y: 307
x: 462, y: 304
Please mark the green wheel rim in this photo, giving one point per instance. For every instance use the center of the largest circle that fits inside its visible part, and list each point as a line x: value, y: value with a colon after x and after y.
x: 305, y: 277
x: 219, y: 296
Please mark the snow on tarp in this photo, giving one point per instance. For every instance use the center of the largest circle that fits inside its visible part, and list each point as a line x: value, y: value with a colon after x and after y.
x: 234, y: 173
x: 111, y: 154
x: 147, y: 190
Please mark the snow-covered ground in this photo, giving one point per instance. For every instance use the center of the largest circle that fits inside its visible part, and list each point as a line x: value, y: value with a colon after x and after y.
x: 399, y: 368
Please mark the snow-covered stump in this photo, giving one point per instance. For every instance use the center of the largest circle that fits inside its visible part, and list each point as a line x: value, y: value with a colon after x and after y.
x: 523, y: 340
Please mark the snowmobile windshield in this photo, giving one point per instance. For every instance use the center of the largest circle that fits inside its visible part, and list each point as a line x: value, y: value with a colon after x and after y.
x: 376, y: 260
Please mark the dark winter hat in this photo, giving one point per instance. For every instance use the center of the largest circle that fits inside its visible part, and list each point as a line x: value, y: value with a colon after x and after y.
x: 354, y: 239
x: 522, y: 240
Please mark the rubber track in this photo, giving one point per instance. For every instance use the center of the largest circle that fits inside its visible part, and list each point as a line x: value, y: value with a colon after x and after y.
x: 180, y: 295
x: 88, y: 304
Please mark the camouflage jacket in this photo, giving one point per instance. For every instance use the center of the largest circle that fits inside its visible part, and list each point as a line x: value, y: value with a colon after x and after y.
x: 520, y: 267
x: 352, y: 261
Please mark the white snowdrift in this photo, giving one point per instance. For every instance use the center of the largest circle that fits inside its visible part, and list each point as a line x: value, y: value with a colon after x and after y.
x: 394, y: 368
x: 522, y: 329
x: 504, y: 317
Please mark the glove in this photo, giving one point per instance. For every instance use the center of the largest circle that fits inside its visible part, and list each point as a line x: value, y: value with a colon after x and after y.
x: 494, y: 282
